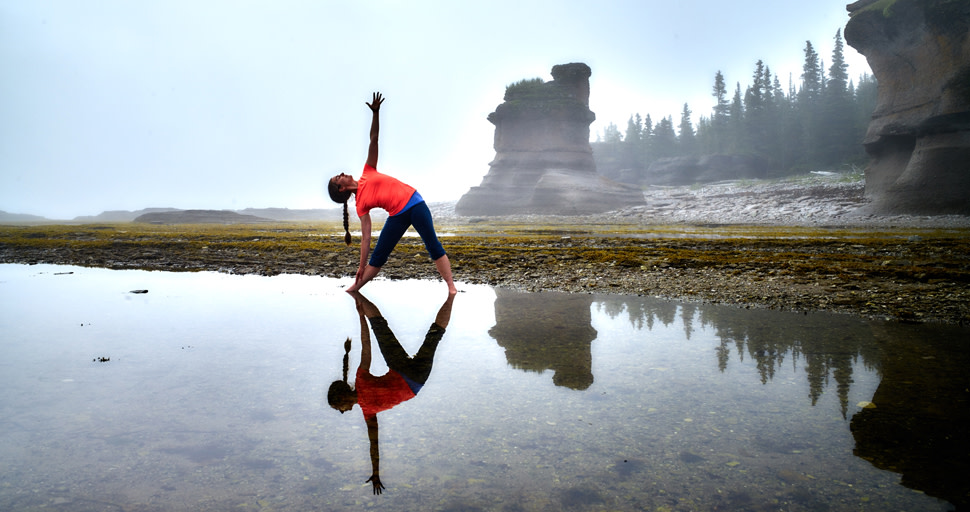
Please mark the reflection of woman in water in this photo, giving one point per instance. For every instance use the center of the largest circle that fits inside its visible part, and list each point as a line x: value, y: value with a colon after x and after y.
x: 406, y: 375
x: 403, y: 204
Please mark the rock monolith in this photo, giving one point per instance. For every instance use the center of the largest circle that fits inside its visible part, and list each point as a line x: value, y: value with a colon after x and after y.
x: 543, y: 160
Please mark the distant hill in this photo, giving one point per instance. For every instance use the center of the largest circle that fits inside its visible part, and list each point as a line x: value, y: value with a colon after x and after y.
x: 121, y: 215
x: 286, y: 214
x: 21, y: 217
x: 200, y: 217
x: 192, y: 216
x: 276, y: 214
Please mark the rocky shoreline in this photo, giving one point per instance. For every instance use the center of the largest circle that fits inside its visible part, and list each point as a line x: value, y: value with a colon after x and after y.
x: 793, y: 246
x: 817, y: 199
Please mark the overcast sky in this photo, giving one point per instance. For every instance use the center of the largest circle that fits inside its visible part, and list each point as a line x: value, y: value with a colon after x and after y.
x: 120, y: 105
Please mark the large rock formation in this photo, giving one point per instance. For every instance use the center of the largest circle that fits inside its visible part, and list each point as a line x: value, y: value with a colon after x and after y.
x: 543, y: 161
x: 919, y: 137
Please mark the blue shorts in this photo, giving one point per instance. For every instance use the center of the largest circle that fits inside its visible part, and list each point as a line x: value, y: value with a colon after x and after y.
x: 418, y: 216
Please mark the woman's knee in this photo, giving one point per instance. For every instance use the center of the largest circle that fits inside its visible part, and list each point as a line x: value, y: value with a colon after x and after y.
x: 437, y: 253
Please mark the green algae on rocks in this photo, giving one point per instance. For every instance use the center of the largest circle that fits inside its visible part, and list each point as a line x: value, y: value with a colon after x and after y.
x: 912, y: 274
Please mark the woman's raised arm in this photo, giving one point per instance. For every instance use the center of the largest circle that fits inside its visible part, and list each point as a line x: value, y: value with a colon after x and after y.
x: 375, y: 128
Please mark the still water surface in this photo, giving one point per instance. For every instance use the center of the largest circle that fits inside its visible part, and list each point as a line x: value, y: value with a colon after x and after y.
x: 209, y: 392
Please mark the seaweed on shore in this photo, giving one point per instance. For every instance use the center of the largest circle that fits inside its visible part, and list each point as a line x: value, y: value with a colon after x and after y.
x: 912, y: 274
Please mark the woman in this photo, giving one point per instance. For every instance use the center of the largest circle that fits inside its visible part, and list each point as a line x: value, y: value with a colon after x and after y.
x: 403, y: 204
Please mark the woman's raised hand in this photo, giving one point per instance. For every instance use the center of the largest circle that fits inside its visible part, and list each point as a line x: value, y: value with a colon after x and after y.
x: 375, y: 103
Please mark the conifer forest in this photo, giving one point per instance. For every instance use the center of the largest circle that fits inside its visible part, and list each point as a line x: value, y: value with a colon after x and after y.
x: 815, y: 123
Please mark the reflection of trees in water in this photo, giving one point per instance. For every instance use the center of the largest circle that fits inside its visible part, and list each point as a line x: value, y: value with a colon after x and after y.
x: 640, y: 313
x: 829, y: 345
x: 553, y: 331
x: 922, y: 405
x: 918, y: 427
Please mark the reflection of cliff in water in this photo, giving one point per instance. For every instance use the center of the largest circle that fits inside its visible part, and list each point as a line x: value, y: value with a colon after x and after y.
x: 546, y: 331
x: 917, y: 427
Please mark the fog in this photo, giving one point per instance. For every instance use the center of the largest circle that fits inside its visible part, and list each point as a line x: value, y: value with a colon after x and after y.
x: 227, y: 105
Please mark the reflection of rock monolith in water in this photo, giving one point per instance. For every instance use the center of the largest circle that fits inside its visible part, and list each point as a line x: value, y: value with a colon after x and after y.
x: 547, y: 331
x: 543, y: 160
x: 919, y: 136
x: 918, y: 427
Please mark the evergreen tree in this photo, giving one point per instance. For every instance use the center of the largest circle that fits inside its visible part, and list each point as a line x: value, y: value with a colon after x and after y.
x: 736, y: 123
x: 607, y: 150
x: 665, y: 138
x: 808, y: 105
x: 631, y: 153
x: 811, y: 77
x: 611, y: 134
x: 777, y: 94
x: 687, y: 136
x: 786, y: 131
x: 704, y: 137
x: 769, y: 92
x: 755, y: 108
x: 646, y: 142
x: 754, y: 98
x: 837, y: 135
x: 633, y: 129
x: 774, y: 112
x: 839, y: 70
x: 720, y: 96
x: 722, y: 112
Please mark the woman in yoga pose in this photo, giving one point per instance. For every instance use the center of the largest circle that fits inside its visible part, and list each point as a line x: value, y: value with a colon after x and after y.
x: 404, y: 205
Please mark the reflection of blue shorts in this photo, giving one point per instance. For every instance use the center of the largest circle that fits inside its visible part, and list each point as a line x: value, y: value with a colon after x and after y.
x: 418, y: 216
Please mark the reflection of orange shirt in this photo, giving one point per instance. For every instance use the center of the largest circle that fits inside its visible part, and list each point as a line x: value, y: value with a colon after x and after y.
x: 376, y: 394
x: 376, y: 190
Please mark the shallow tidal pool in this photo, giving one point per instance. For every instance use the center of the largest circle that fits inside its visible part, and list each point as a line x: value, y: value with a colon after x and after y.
x: 143, y: 391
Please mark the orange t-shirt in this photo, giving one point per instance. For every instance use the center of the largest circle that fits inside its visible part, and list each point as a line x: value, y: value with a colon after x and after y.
x: 376, y: 190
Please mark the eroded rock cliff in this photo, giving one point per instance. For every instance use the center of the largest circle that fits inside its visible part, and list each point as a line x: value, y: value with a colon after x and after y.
x: 919, y: 136
x: 543, y: 160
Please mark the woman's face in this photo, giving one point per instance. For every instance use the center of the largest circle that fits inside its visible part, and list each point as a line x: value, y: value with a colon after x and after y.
x: 342, y: 181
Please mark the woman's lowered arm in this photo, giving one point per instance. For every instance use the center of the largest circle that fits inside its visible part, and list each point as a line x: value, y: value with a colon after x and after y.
x: 365, y: 235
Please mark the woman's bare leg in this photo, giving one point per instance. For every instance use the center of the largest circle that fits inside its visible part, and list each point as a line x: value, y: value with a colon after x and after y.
x: 443, y: 264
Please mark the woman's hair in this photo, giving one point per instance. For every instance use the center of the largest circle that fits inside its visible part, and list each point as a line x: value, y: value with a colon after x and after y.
x: 340, y: 391
x: 341, y: 197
